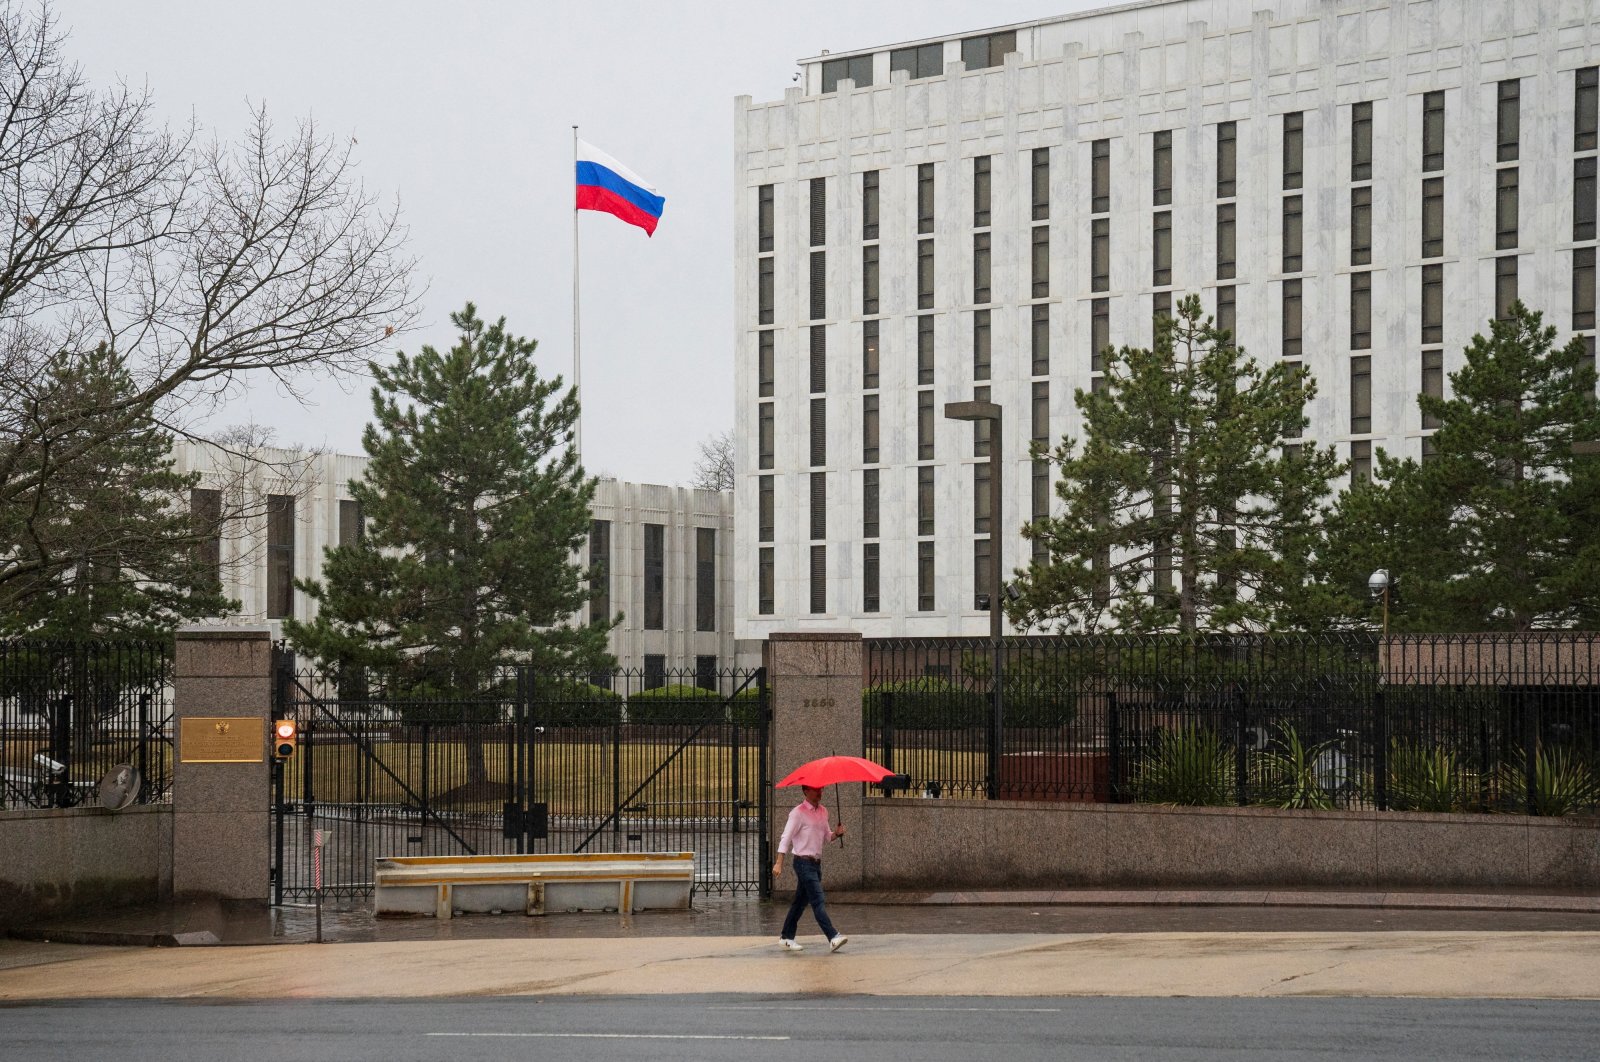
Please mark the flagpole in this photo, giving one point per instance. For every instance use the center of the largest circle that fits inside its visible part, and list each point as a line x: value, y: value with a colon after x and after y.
x: 577, y: 362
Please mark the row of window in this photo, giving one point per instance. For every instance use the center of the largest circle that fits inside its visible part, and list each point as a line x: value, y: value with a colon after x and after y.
x: 655, y: 575
x: 920, y: 61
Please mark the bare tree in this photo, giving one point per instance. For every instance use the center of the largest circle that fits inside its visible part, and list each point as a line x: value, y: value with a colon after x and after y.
x: 713, y: 469
x: 183, y: 264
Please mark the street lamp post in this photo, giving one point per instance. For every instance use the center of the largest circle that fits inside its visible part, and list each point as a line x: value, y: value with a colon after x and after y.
x: 990, y: 411
x: 1379, y: 583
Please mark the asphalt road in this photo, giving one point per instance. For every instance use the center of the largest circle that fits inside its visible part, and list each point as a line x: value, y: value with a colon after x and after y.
x: 927, y: 1029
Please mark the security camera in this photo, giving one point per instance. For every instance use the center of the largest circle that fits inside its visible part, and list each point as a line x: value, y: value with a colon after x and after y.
x: 53, y: 766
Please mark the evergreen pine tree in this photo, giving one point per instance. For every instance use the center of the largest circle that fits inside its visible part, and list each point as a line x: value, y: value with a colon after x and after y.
x: 1181, y: 508
x: 1496, y: 530
x: 475, y: 506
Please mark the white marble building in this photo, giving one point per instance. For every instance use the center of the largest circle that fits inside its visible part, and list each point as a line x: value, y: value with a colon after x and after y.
x: 287, y: 507
x: 1355, y: 186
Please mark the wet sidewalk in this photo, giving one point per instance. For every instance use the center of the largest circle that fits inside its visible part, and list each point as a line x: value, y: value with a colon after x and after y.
x: 861, y: 914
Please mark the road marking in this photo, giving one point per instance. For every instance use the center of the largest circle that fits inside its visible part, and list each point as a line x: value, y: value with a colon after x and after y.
x: 608, y: 1036
x: 935, y: 1010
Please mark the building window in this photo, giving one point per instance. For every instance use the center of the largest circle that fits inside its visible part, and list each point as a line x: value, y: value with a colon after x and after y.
x: 655, y: 671
x: 819, y: 505
x: 1361, y: 141
x: 819, y: 359
x: 205, y: 509
x: 1361, y: 395
x: 705, y: 673
x: 1433, y: 304
x: 981, y: 167
x: 705, y: 578
x: 924, y: 425
x: 1099, y: 333
x: 980, y: 267
x: 352, y: 523
x: 819, y: 211
x: 819, y: 431
x: 1432, y: 382
x: 1041, y: 412
x: 1040, y: 484
x: 869, y: 355
x: 924, y: 576
x: 1227, y: 241
x: 1433, y: 217
x: 988, y: 50
x: 1361, y: 461
x: 1432, y: 132
x: 925, y: 349
x: 924, y: 61
x: 1292, y: 234
x: 869, y: 429
x: 765, y: 580
x: 1161, y: 250
x: 869, y: 577
x: 599, y: 571
x: 766, y: 515
x: 1227, y: 160
x: 1505, y: 208
x: 764, y: 216
x: 980, y: 345
x: 1360, y: 311
x: 869, y: 279
x: 924, y: 499
x: 981, y: 513
x: 1041, y: 339
x: 1041, y: 261
x: 764, y: 434
x: 1586, y: 86
x: 1508, y: 120
x: 924, y: 274
x: 981, y: 428
x: 1505, y: 285
x: 869, y: 503
x: 982, y: 575
x: 1100, y: 177
x: 1161, y: 166
x: 1041, y: 183
x: 655, y: 577
x: 766, y: 363
x: 1227, y: 310
x: 1583, y: 280
x: 819, y: 580
x: 1583, y: 198
x: 764, y: 290
x: 1294, y: 149
x: 857, y: 68
x: 280, y: 555
x: 1291, y: 318
x: 1361, y: 225
x: 819, y: 285
x: 1100, y: 255
x: 869, y: 205
x: 925, y: 197
x: 1160, y: 306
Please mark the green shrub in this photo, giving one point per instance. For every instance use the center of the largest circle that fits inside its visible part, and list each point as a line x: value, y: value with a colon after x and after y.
x: 676, y: 704
x: 1563, y: 783
x: 1289, y: 773
x: 744, y: 707
x: 573, y: 702
x: 1189, y: 767
x: 1424, y: 778
x: 926, y: 703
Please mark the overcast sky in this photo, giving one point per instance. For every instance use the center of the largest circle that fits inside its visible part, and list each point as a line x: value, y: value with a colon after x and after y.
x: 465, y: 112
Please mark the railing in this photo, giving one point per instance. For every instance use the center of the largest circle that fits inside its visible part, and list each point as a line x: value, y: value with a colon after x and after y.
x: 71, y: 711
x: 1428, y: 723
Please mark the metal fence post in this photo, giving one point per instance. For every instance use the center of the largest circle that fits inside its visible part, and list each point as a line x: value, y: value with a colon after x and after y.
x: 886, y: 726
x: 519, y: 758
x: 764, y: 803
x: 144, y: 738
x: 1114, y: 738
x: 1380, y: 735
x: 61, y: 751
x: 1241, y: 763
x: 1530, y: 752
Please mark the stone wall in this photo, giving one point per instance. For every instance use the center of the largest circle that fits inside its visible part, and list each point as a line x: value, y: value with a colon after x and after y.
x: 53, y: 860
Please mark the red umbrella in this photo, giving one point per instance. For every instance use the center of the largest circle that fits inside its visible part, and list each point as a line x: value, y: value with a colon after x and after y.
x: 830, y: 770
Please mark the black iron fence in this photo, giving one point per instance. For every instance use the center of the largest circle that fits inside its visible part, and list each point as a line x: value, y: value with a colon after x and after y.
x: 543, y: 762
x: 1435, y: 723
x: 70, y: 712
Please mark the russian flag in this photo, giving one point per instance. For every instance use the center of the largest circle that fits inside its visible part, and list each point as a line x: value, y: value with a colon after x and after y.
x: 607, y: 185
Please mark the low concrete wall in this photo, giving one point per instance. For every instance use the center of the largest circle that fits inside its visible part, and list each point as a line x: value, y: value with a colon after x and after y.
x: 57, y: 860
x: 955, y: 844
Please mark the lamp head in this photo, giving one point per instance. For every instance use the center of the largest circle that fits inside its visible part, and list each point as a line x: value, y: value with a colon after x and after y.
x: 1378, y: 581
x: 972, y: 410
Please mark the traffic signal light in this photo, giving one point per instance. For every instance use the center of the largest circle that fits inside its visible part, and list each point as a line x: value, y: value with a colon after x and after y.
x: 285, y: 738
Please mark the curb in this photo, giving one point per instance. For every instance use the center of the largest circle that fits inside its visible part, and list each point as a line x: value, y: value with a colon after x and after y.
x: 1232, y: 898
x: 113, y: 938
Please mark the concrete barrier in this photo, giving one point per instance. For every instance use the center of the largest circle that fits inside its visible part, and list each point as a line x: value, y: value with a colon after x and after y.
x: 533, y: 884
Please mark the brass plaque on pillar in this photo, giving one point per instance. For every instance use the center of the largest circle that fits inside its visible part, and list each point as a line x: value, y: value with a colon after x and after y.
x: 222, y: 739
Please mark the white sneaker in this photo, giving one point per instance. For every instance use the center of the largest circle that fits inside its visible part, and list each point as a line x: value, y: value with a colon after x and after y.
x: 790, y: 945
x: 838, y: 942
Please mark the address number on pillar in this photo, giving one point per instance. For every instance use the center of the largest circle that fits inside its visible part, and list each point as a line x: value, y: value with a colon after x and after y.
x: 818, y: 702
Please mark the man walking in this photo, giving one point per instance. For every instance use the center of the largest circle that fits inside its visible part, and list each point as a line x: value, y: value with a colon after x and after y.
x: 803, y: 836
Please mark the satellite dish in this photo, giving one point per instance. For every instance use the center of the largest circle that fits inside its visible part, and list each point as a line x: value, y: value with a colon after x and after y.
x: 119, y: 787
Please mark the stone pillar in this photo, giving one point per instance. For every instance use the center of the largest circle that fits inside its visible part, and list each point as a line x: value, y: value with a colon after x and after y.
x: 814, y: 683
x: 221, y: 810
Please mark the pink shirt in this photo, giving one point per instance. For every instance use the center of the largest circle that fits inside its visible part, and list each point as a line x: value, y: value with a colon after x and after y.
x: 806, y: 831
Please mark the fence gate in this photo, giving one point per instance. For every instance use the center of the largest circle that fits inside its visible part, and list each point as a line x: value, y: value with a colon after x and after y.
x: 616, y: 762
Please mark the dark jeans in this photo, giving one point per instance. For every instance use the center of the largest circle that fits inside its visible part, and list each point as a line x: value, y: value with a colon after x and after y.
x: 808, y: 892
